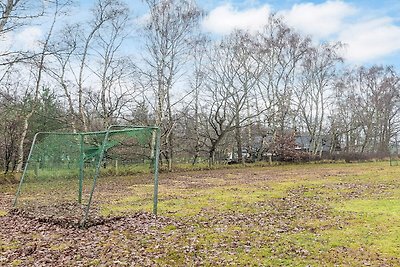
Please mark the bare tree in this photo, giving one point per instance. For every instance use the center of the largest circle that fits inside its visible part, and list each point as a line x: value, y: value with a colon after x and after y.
x: 231, y: 78
x: 314, y: 90
x: 63, y: 50
x: 167, y: 33
x: 368, y: 103
x: 100, y: 78
x: 15, y: 13
x: 197, y: 82
x: 343, y: 118
x: 282, y: 52
x: 216, y: 118
x: 236, y: 70
x: 38, y: 71
x: 104, y: 11
x: 115, y: 69
x: 10, y: 123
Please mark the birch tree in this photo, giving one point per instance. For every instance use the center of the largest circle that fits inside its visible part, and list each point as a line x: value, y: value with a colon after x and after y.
x: 37, y: 69
x: 103, y: 12
x: 114, y: 67
x: 170, y: 26
x: 314, y: 90
x: 64, y: 50
x: 14, y: 15
x: 282, y: 52
x: 197, y: 82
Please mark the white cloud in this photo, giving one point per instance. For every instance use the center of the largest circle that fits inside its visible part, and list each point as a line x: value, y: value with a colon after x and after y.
x: 371, y: 39
x: 224, y: 19
x: 28, y: 38
x: 368, y: 35
x: 318, y: 20
x: 6, y: 41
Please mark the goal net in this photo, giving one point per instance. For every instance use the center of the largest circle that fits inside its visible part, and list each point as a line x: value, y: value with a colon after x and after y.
x: 83, y: 178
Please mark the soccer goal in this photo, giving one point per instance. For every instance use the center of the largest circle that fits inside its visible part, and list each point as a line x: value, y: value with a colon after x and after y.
x: 84, y: 177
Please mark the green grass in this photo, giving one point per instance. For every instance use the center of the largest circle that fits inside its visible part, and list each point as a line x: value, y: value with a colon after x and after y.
x: 375, y: 224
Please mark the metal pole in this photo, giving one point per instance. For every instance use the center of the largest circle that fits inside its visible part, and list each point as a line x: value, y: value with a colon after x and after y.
x: 156, y: 159
x: 132, y: 127
x: 96, y: 174
x: 81, y: 166
x: 25, y: 170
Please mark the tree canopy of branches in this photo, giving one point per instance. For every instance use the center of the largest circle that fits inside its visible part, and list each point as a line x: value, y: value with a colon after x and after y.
x: 243, y: 96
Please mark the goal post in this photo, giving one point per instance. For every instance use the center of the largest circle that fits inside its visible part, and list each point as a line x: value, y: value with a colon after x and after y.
x: 64, y: 168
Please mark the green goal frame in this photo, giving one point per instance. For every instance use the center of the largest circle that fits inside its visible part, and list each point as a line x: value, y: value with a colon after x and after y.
x: 113, y: 129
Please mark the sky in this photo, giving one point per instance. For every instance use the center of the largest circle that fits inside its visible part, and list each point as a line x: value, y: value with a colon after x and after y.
x: 369, y: 28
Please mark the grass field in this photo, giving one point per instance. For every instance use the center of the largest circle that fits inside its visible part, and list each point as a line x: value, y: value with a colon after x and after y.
x: 290, y: 215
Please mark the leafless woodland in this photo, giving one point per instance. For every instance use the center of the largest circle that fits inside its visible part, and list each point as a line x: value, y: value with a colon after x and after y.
x: 246, y: 95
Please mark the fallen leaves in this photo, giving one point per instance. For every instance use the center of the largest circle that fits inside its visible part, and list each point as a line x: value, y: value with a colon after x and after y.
x: 270, y: 231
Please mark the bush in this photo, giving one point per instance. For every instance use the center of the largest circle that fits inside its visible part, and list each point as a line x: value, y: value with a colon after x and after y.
x: 356, y: 156
x: 284, y: 149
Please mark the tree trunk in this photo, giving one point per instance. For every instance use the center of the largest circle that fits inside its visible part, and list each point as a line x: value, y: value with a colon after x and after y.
x: 238, y: 137
x: 21, y: 146
x: 36, y: 94
x: 211, y: 157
